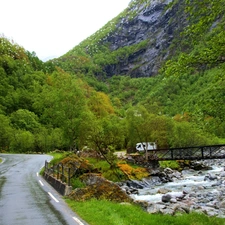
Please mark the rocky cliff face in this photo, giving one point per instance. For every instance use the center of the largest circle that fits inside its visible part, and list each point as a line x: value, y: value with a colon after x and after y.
x: 158, y: 23
x: 137, y: 44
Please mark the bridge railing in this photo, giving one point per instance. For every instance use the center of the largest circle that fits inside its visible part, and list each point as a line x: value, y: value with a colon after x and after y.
x: 189, y: 153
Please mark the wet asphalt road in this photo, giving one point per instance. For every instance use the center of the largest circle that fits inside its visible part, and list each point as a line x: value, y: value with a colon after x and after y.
x: 25, y: 197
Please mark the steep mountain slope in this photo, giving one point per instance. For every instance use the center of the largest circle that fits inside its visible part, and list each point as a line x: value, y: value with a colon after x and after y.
x: 180, y: 41
x: 141, y: 39
x: 135, y: 43
x: 161, y: 60
x: 150, y: 24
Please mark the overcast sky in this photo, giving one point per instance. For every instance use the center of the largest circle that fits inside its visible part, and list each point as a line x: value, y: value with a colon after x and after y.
x: 53, y: 27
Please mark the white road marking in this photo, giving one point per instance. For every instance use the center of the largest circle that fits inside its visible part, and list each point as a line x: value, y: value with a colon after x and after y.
x: 53, y: 197
x: 41, y: 183
x: 37, y: 174
x: 78, y: 221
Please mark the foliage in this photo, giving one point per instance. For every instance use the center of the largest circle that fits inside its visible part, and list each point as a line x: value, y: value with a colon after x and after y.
x: 25, y: 120
x: 170, y: 164
x: 133, y: 173
x: 58, y: 156
x: 5, y: 132
x: 70, y: 102
x: 22, y: 141
x: 77, y: 183
x: 54, y: 109
x: 146, y: 127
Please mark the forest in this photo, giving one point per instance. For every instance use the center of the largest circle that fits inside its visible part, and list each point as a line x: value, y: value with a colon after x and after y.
x: 69, y: 103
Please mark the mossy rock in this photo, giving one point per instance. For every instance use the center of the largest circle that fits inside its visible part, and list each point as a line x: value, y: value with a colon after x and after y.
x: 99, y: 188
x: 82, y: 165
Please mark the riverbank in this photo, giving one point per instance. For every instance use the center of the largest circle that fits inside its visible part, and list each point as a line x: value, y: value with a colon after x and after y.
x: 171, y: 192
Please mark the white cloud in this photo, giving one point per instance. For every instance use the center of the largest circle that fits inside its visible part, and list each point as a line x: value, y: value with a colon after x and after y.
x: 53, y: 27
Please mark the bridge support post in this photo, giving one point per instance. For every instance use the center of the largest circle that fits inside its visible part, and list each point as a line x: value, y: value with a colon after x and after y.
x: 202, y: 153
x: 153, y: 164
x: 171, y: 153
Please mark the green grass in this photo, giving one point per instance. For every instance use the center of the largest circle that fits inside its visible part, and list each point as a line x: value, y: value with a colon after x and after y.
x: 103, y: 212
x: 76, y: 183
x: 171, y: 164
x: 58, y: 156
x: 99, y: 163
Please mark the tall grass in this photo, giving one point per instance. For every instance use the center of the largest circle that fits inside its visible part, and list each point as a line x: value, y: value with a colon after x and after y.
x: 102, y: 212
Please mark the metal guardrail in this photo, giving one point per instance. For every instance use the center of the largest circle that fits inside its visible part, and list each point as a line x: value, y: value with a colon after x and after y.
x: 60, y: 172
x: 188, y: 153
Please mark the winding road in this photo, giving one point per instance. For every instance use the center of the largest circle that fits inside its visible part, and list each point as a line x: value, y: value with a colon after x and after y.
x: 25, y: 197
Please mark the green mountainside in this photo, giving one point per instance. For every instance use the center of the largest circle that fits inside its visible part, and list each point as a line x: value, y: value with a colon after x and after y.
x: 156, y: 72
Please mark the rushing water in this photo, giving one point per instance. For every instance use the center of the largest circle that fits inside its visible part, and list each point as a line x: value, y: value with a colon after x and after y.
x: 189, y: 179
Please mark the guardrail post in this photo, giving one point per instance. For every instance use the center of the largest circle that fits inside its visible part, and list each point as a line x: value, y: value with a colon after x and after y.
x: 46, y: 165
x: 69, y: 176
x: 57, y: 171
x: 63, y: 178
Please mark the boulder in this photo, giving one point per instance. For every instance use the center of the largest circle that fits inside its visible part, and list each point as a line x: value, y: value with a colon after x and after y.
x: 99, y: 188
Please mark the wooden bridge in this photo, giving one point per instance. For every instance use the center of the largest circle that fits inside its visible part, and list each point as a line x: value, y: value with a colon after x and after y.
x: 188, y: 153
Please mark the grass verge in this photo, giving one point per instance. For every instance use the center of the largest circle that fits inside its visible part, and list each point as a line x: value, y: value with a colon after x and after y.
x: 101, y: 212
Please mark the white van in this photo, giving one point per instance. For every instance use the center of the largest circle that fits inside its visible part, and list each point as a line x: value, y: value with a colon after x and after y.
x: 143, y: 145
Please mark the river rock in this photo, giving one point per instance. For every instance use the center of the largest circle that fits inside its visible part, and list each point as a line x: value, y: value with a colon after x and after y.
x: 163, y: 191
x: 143, y: 204
x: 222, y: 174
x: 167, y: 211
x: 210, y: 177
x: 181, y: 207
x: 173, y: 200
x: 222, y: 204
x: 196, y: 165
x: 207, y: 196
x: 210, y: 211
x: 166, y: 198
x: 168, y: 170
x: 135, y: 184
x: 155, y: 208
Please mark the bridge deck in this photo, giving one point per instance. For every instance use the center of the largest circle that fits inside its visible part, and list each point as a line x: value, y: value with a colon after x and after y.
x: 188, y: 153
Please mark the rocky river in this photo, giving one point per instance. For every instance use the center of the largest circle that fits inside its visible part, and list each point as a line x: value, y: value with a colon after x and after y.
x: 199, y: 188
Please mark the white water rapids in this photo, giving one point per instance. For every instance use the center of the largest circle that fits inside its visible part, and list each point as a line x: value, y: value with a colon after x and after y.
x: 190, y: 179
